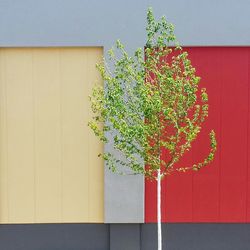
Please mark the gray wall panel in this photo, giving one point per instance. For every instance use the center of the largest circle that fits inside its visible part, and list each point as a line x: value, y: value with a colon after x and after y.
x: 100, y: 23
x: 124, y: 237
x: 124, y: 198
x: 54, y: 237
x: 197, y: 236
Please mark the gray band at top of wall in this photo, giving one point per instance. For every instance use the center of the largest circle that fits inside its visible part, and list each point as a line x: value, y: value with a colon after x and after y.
x: 47, y: 23
x: 98, y: 23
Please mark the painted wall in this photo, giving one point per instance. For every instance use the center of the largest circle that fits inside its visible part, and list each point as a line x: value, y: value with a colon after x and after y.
x: 220, y: 191
x: 49, y: 169
x: 124, y: 236
x: 72, y: 23
x: 91, y: 23
x: 95, y: 23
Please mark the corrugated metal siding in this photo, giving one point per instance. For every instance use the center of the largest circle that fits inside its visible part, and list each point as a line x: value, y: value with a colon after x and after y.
x: 218, y: 193
x: 49, y: 169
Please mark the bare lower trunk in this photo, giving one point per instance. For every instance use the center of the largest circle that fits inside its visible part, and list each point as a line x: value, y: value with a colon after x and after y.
x: 159, y: 209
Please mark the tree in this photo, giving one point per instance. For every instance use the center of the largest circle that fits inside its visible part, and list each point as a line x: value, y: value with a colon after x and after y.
x: 151, y: 106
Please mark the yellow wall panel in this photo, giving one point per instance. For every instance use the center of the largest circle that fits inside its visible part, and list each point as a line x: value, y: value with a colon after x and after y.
x: 47, y: 105
x: 19, y: 119
x: 76, y: 164
x: 49, y: 169
x: 4, y: 206
x: 96, y: 204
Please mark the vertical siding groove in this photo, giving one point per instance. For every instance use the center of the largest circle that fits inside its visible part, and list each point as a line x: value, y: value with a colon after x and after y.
x: 61, y: 129
x: 34, y: 133
x: 192, y: 154
x: 220, y: 134
x: 86, y: 59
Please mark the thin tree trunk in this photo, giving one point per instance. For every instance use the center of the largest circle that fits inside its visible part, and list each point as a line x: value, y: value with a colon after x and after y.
x: 159, y: 209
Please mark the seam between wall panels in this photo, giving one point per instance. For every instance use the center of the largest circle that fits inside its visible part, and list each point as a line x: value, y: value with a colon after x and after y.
x: 61, y: 128
x: 34, y: 133
x: 220, y: 130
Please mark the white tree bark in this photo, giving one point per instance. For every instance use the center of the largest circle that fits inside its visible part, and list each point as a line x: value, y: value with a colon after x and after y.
x: 159, y: 209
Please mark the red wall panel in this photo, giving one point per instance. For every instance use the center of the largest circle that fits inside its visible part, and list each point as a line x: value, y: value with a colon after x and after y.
x: 248, y: 146
x: 234, y: 123
x: 206, y: 182
x: 218, y: 192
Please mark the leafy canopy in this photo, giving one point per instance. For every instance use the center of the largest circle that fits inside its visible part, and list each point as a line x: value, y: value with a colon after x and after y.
x: 151, y: 103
